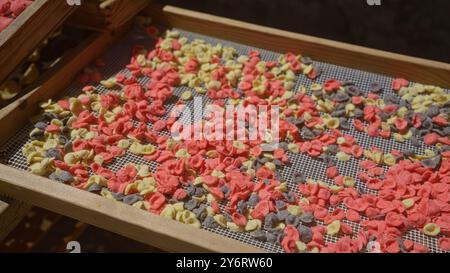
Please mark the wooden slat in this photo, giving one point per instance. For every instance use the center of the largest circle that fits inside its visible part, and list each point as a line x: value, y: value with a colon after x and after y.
x: 28, y: 30
x: 372, y: 60
x: 115, y: 216
x: 108, y: 15
x: 11, y: 213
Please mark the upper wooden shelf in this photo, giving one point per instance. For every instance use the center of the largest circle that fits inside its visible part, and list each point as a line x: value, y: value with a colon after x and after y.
x: 28, y: 30
x: 108, y: 14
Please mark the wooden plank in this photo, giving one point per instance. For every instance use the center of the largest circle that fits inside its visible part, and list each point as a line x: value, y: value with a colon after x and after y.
x: 28, y: 30
x: 11, y: 213
x: 372, y: 60
x: 107, y: 15
x: 115, y: 216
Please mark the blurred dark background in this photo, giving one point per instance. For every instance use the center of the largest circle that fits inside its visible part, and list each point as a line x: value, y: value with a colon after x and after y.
x: 412, y: 27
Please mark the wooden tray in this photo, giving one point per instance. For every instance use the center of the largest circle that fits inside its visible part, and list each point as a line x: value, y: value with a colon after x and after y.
x: 28, y: 30
x: 107, y: 15
x: 140, y: 225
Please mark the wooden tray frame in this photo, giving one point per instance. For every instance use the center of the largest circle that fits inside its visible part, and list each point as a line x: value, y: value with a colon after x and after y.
x: 28, y: 30
x: 143, y: 226
x: 108, y: 15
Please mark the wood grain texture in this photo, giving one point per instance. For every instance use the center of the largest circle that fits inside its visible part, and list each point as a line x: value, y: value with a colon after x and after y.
x: 28, y: 30
x: 372, y: 60
x: 108, y: 15
x: 11, y: 213
x: 115, y: 216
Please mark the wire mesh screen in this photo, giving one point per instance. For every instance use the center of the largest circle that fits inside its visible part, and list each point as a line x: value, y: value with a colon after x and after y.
x: 118, y: 57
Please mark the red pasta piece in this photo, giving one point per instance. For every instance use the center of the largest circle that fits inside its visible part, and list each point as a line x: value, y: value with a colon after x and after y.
x: 444, y: 243
x: 346, y: 229
x: 431, y: 139
x: 239, y: 219
x: 441, y: 121
x: 217, y: 193
x: 52, y: 128
x: 320, y: 212
x: 353, y: 216
x: 180, y: 194
x: 332, y: 172
x: 261, y: 210
x: 157, y: 200
x: 397, y: 84
x: 391, y: 246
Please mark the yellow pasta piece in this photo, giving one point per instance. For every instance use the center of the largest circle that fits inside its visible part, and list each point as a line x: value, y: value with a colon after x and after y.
x: 111, y: 82
x: 146, y: 185
x: 340, y: 140
x: 408, y: 203
x: 179, y: 207
x: 389, y: 159
x: 200, y: 198
x: 9, y: 90
x: 76, y: 106
x: 42, y: 168
x: 168, y: 212
x: 35, y: 157
x: 316, y: 87
x: 431, y: 229
x: 234, y: 228
x: 178, y: 216
x: 282, y: 187
x: 123, y: 143
x: 99, y: 159
x: 131, y: 188
x: 341, y: 156
x: 95, y: 179
x: 218, y: 174
x: 280, y: 225
x: 332, y: 123
x: 349, y: 108
x: 301, y: 247
x: 186, y: 95
x: 140, y: 149
x: 307, y: 69
x: 295, y: 210
x: 293, y: 148
x: 145, y: 205
x: 334, y: 227
x: 182, y: 153
x: 210, y: 198
x: 78, y: 157
x: 253, y: 224
x: 186, y: 216
x: 220, y: 219
x: 349, y: 181
x: 50, y: 143
x: 314, y: 249
x: 30, y: 75
x: 271, y: 166
x: 210, y: 211
x: 106, y: 193
x: 335, y: 188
